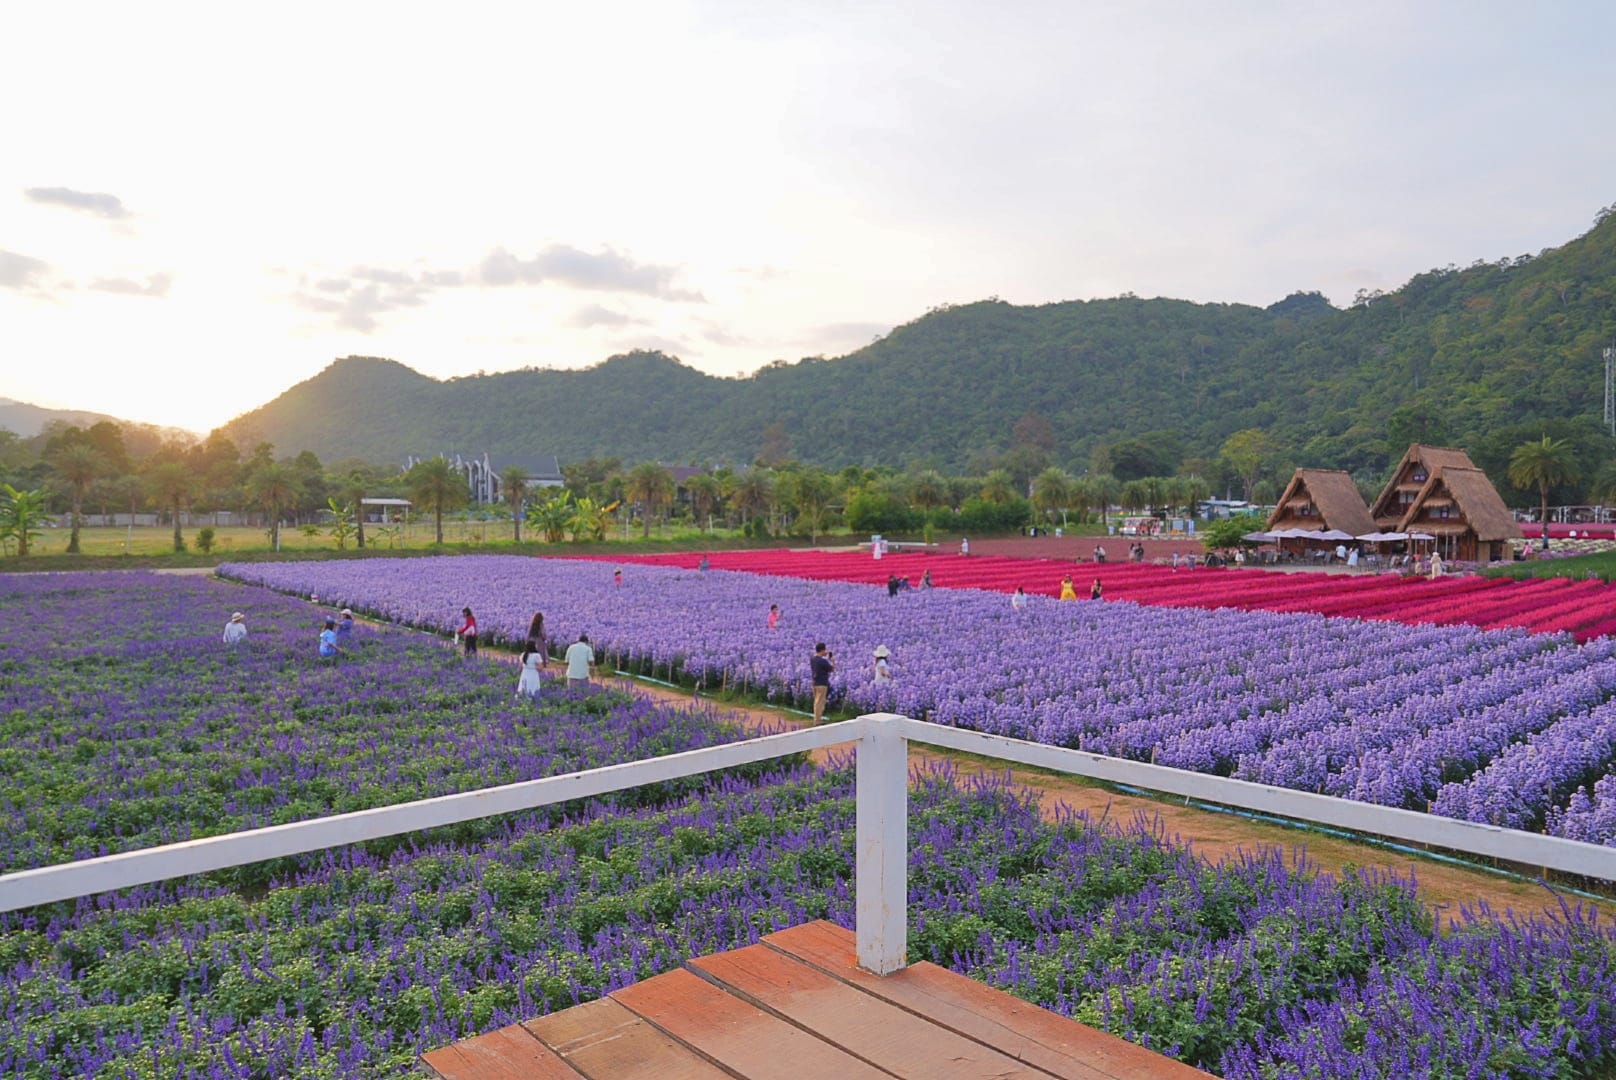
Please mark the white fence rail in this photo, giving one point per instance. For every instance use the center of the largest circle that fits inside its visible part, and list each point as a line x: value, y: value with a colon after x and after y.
x: 881, y: 873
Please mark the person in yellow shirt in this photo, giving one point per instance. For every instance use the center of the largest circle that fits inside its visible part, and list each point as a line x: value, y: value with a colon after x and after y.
x: 1067, y: 591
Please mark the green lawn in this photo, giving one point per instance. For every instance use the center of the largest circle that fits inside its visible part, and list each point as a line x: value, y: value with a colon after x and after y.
x: 152, y: 546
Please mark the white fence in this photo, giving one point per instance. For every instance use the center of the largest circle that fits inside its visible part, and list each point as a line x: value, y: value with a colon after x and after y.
x: 881, y: 873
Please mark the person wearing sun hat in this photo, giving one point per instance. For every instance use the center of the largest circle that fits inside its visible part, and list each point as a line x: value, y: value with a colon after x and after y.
x: 883, y: 671
x: 345, y: 625
x: 236, y: 629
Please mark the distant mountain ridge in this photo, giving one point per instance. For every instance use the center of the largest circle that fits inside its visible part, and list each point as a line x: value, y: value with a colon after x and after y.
x: 1467, y: 357
x: 29, y: 420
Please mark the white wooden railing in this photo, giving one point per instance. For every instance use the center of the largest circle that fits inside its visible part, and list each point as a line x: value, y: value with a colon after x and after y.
x: 882, y: 848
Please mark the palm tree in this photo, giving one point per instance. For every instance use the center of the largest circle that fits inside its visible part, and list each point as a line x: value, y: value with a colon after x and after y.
x: 436, y: 486
x: 1052, y: 491
x: 170, y: 484
x: 21, y: 515
x: 650, y: 485
x: 76, y: 466
x: 1135, y: 496
x: 812, y: 491
x: 350, y: 489
x: 998, y: 486
x: 274, y: 487
x: 705, y: 492
x: 929, y: 490
x: 1105, y: 490
x: 1542, y: 465
x: 752, y: 493
x: 513, y: 483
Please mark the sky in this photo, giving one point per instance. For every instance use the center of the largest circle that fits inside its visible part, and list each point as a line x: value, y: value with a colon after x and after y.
x: 202, y: 205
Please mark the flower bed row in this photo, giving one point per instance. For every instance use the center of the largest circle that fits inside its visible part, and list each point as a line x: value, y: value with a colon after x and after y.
x: 351, y: 963
x: 354, y: 967
x: 1378, y: 711
x: 152, y: 730
x: 1383, y: 596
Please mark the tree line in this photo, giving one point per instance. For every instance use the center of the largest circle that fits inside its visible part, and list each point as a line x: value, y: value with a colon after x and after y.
x: 68, y: 470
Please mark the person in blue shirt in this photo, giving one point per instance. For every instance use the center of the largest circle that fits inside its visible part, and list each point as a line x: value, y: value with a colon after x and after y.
x: 345, y: 626
x: 328, y: 639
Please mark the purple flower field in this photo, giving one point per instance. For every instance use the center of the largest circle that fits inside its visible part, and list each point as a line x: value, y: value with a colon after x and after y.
x: 351, y: 963
x: 1448, y: 718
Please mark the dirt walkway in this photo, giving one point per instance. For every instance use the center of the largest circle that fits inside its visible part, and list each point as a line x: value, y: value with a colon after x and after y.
x: 1213, y: 835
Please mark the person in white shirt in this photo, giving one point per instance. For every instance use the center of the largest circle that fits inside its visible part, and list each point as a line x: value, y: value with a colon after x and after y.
x: 1019, y: 599
x: 883, y: 671
x: 580, y: 662
x: 235, y: 630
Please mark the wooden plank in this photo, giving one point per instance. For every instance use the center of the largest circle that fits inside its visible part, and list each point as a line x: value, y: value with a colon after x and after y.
x: 901, y: 1042
x: 737, y: 1036
x: 603, y: 1040
x: 507, y: 1054
x: 1019, y: 1029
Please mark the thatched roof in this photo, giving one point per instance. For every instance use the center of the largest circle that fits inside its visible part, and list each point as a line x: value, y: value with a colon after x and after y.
x: 1334, y: 496
x: 1386, y: 509
x: 1480, y: 507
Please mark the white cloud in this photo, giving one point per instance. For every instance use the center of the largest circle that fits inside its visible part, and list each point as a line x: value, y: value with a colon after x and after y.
x: 97, y: 203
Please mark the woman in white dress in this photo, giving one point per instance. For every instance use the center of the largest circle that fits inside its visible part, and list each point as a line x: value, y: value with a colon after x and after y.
x: 532, y: 664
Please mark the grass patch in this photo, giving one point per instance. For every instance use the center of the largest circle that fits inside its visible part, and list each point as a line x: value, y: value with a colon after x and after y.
x: 1601, y: 565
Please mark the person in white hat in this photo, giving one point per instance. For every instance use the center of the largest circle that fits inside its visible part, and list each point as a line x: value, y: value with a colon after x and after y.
x: 235, y: 630
x: 345, y: 626
x: 883, y: 671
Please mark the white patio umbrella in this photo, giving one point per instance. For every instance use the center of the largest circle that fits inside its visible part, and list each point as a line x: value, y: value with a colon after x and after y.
x: 1383, y: 537
x: 1258, y: 537
x: 1420, y: 536
x: 1335, y: 534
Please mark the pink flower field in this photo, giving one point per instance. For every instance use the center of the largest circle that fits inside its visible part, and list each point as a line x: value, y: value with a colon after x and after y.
x: 1584, y: 609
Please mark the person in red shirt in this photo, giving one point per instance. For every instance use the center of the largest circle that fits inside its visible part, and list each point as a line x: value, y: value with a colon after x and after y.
x: 468, y: 632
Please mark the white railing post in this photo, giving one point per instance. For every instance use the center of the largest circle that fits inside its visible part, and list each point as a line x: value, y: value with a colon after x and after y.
x: 881, y: 879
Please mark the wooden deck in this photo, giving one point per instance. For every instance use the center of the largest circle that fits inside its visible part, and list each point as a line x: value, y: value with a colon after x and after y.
x: 797, y: 1005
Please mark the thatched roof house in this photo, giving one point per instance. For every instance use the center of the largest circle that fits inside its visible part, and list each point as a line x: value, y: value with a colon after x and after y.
x: 1412, y: 474
x: 1319, y: 500
x: 1462, y: 509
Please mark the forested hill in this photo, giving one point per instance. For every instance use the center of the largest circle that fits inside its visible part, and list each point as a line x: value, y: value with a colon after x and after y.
x: 1481, y: 357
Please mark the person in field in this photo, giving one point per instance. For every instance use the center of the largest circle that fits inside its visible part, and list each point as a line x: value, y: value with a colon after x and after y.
x: 468, y: 632
x: 1068, y: 592
x: 345, y: 625
x: 820, y: 665
x: 580, y: 663
x: 536, y: 636
x: 527, y: 685
x: 328, y: 639
x: 774, y: 616
x: 236, y: 629
x: 1097, y: 590
x: 883, y: 670
x: 1018, y: 600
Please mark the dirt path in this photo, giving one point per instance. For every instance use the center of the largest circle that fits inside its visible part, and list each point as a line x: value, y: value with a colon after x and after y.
x: 1212, y: 834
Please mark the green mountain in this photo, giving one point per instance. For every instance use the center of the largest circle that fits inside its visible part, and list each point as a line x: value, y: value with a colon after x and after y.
x: 29, y: 420
x: 1483, y: 357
